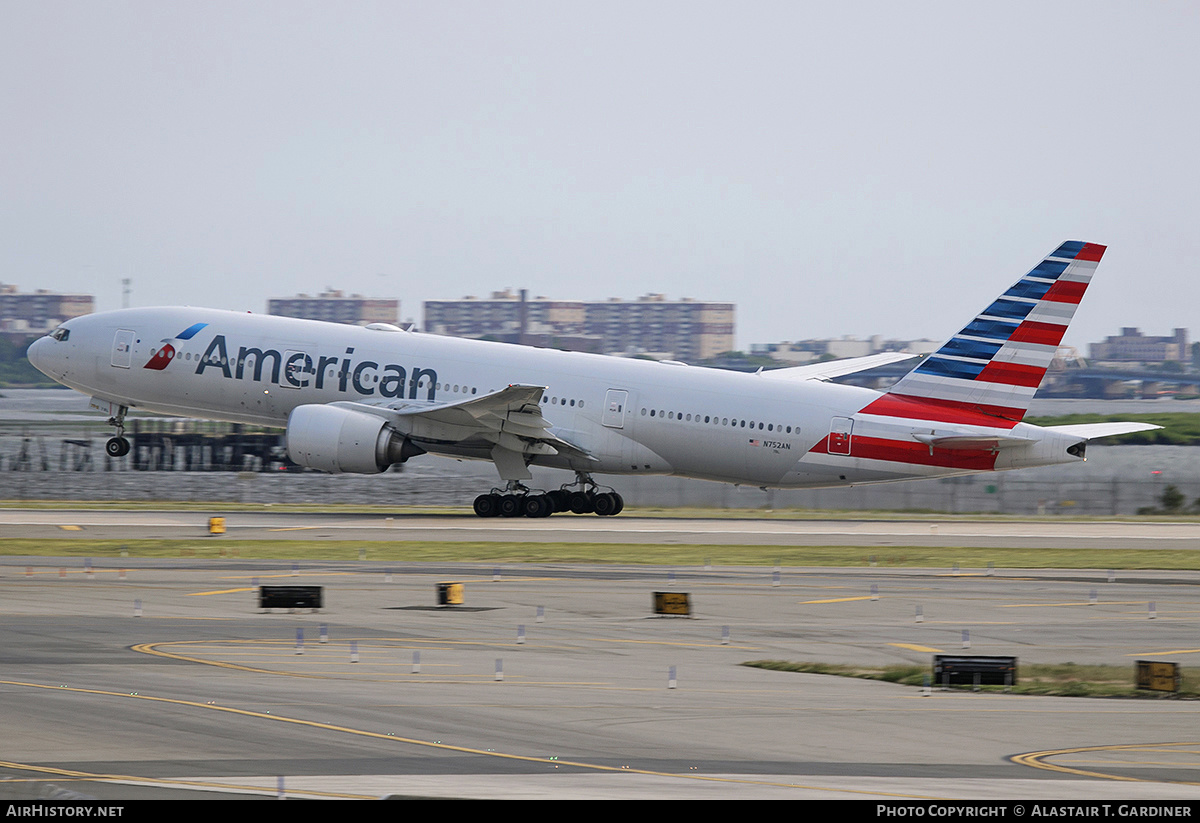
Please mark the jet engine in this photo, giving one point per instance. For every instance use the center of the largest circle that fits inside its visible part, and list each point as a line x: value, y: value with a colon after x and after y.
x: 335, y: 439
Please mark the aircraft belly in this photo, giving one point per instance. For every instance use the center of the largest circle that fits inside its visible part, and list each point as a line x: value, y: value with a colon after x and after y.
x: 818, y: 469
x: 707, y: 457
x: 622, y: 454
x: 844, y: 471
x: 751, y: 457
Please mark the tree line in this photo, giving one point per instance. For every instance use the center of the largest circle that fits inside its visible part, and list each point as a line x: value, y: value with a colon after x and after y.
x: 15, y: 368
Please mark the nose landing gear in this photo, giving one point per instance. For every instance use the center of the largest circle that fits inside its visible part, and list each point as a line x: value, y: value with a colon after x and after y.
x: 118, y: 446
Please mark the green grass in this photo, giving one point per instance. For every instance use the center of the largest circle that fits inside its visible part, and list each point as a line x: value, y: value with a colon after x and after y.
x: 971, y: 561
x: 1051, y: 679
x: 904, y: 674
x: 218, y: 508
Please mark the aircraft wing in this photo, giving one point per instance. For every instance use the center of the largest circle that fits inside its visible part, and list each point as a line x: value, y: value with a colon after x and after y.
x: 510, y: 418
x: 836, y: 368
x: 1092, y: 431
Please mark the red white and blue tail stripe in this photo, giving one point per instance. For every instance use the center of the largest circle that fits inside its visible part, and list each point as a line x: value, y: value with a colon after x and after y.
x: 993, y: 367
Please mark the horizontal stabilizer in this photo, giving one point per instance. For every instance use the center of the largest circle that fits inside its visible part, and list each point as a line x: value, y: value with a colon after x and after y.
x: 1092, y: 431
x: 968, y: 441
x: 837, y: 368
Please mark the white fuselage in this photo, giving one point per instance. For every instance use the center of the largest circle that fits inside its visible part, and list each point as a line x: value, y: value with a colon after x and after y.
x: 629, y: 416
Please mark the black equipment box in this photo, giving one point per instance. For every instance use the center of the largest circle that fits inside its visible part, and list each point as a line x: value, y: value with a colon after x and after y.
x: 962, y: 670
x: 290, y: 597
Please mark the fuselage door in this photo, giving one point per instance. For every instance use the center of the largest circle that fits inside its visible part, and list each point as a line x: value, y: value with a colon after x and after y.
x: 614, y: 408
x: 122, y: 350
x: 840, y: 432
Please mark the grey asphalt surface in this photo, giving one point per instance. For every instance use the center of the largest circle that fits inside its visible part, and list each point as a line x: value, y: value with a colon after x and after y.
x: 204, y: 695
x: 865, y: 532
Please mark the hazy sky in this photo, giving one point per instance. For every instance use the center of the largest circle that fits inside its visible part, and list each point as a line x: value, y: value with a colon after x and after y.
x: 833, y: 168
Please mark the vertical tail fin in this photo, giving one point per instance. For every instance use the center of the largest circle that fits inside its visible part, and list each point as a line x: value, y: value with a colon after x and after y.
x: 996, y: 363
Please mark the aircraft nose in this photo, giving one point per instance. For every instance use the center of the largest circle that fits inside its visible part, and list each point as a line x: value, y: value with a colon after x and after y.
x: 37, y: 353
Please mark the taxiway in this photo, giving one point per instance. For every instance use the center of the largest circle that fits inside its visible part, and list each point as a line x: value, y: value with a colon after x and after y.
x: 205, y: 695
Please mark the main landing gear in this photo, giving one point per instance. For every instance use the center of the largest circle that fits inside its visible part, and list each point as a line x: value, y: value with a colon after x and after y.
x: 117, y: 446
x: 519, y: 501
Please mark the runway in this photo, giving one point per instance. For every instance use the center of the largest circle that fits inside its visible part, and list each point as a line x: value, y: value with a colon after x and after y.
x: 880, y: 532
x: 204, y: 695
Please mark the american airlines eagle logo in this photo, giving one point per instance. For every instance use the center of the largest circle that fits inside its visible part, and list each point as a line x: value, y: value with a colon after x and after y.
x: 165, y: 353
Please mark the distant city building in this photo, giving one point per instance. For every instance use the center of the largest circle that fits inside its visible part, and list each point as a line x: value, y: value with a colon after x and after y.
x: 30, y: 314
x: 335, y: 307
x: 512, y: 317
x: 807, y: 351
x: 684, y: 329
x: 1132, y: 346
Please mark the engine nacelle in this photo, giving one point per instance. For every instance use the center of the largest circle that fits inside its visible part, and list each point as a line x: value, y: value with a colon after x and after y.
x: 335, y: 439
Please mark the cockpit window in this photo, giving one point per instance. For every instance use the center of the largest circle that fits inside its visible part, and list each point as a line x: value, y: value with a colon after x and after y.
x: 60, y: 334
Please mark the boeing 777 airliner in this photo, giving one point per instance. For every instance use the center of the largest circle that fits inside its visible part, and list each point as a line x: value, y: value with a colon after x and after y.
x: 360, y: 399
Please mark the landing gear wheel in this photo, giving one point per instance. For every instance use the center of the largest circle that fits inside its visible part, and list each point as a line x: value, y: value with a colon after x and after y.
x: 607, y: 504
x: 510, y: 505
x: 486, y: 505
x: 587, y: 497
x: 537, y: 505
x: 582, y: 503
x: 118, y: 446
